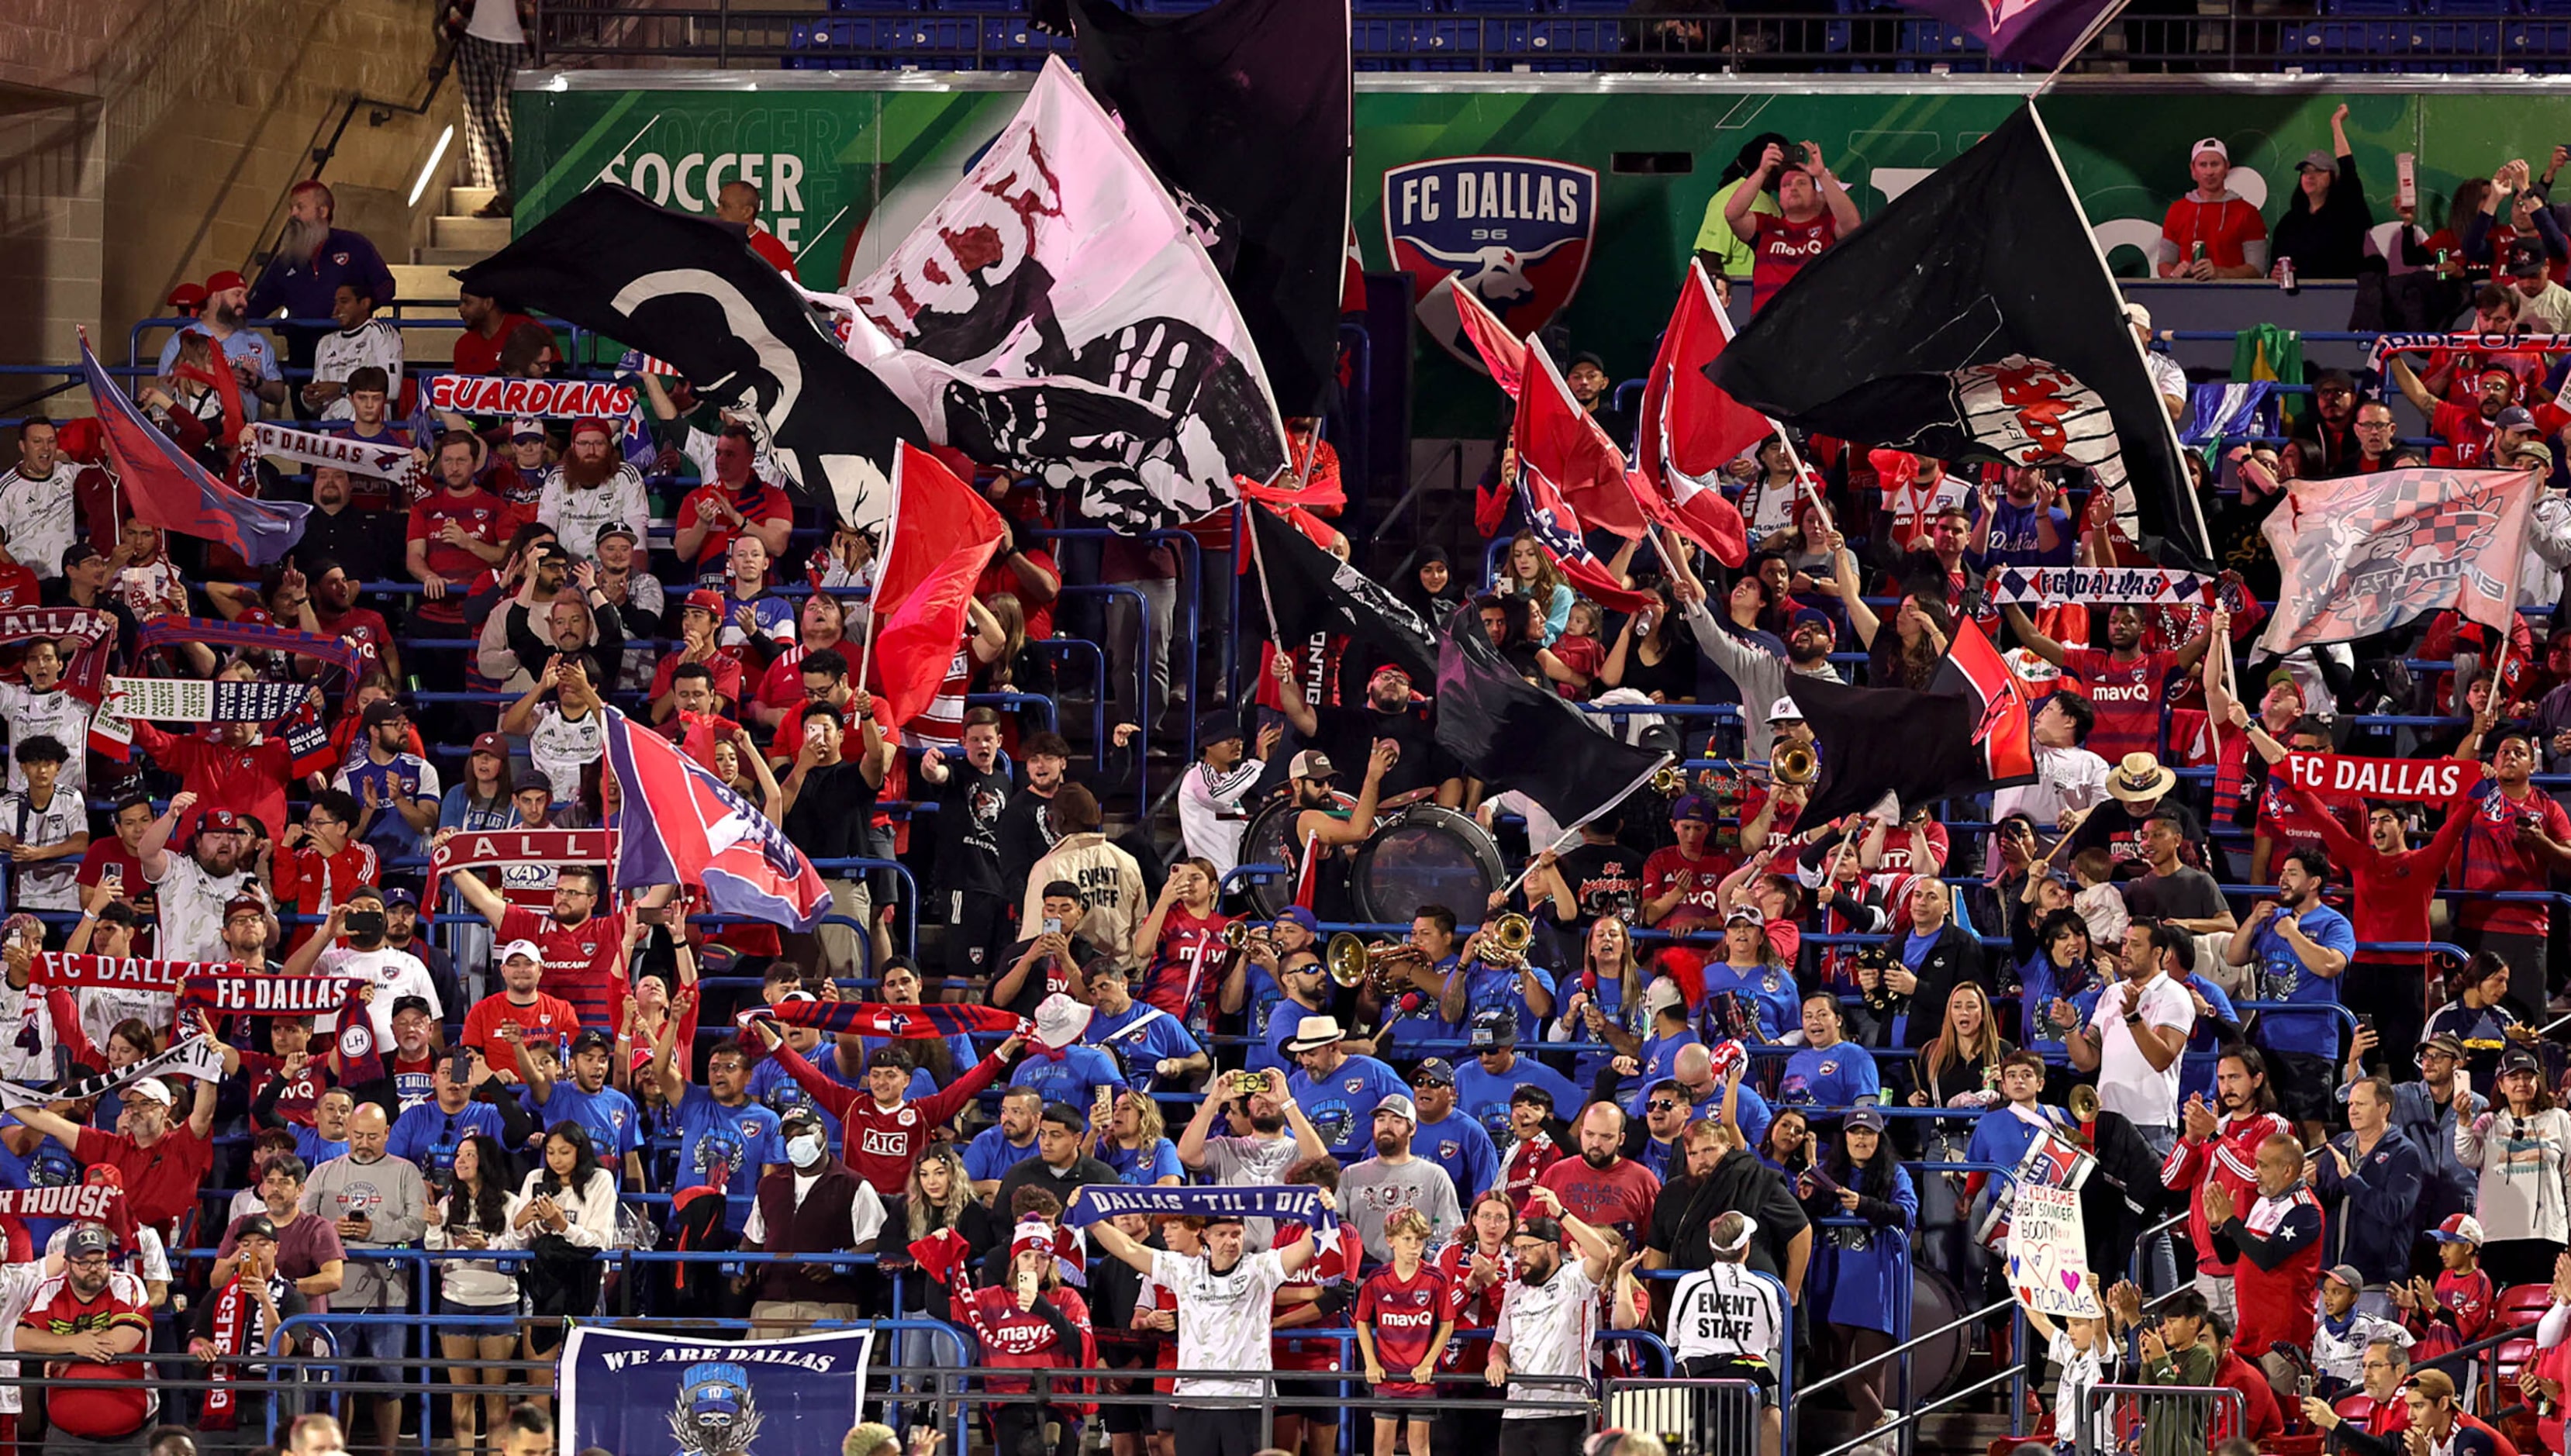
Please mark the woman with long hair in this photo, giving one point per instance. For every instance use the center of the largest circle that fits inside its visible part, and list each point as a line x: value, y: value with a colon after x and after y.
x: 2479, y: 1014
x: 1478, y: 1265
x: 1908, y: 654
x: 1650, y: 656
x: 477, y: 1212
x: 1958, y: 1070
x: 1790, y: 1146
x: 480, y: 801
x: 1605, y: 1004
x: 2061, y: 981
x: 937, y: 1198
x: 1528, y: 572
x: 2519, y: 1143
x: 1865, y: 1270
x: 1134, y: 1145
x: 565, y: 1218
x: 1000, y: 673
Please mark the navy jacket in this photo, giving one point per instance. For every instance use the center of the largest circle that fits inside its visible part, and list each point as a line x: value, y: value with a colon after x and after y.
x: 2376, y: 1202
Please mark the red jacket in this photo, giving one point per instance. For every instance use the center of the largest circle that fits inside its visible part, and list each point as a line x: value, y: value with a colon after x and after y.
x: 2390, y: 893
x: 1024, y: 1340
x: 2230, y: 1159
x: 2277, y: 1274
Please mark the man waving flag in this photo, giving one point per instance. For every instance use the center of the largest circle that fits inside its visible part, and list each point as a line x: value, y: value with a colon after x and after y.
x: 1557, y: 441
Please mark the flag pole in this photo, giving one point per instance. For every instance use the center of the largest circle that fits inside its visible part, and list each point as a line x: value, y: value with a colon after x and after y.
x: 883, y: 566
x: 1573, y: 833
x: 1259, y: 564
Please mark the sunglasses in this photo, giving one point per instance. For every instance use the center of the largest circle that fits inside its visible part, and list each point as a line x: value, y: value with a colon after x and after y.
x: 1662, y: 1105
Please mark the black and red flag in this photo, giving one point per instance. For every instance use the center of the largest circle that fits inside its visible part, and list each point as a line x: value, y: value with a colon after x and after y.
x: 1970, y: 733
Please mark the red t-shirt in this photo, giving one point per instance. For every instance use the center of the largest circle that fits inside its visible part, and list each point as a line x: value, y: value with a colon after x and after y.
x: 765, y: 503
x: 1000, y: 577
x: 1780, y: 828
x: 770, y: 247
x: 108, y: 860
x: 1897, y: 851
x: 2127, y: 696
x: 475, y: 355
x: 1620, y: 1197
x: 1667, y: 869
x: 2466, y: 433
x: 2222, y: 226
x: 161, y: 1181
x: 479, y: 513
x: 1189, y: 949
x: 724, y: 667
x: 1404, y: 1315
x: 364, y: 625
x: 550, y: 1019
x: 584, y: 963
x: 248, y: 781
x: 1782, y: 248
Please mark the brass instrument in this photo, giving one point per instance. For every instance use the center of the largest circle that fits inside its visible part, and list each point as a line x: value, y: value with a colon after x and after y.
x: 1669, y: 780
x: 1794, y: 764
x: 2084, y: 1103
x: 1511, y: 934
x: 1236, y: 936
x: 1384, y: 967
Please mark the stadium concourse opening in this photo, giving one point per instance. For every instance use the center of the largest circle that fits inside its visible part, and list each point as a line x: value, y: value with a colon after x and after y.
x: 1452, y: 726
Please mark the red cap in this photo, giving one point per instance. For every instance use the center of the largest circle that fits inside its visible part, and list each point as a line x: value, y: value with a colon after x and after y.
x: 245, y: 904
x: 187, y: 297
x: 255, y: 617
x: 82, y: 440
x: 492, y: 743
x: 583, y: 427
x: 226, y: 281
x: 218, y: 820
x: 710, y: 602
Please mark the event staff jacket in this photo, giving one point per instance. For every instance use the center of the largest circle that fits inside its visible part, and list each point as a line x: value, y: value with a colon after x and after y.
x: 2229, y: 1158
x: 818, y: 1225
x: 2274, y: 1246
x: 2377, y: 1202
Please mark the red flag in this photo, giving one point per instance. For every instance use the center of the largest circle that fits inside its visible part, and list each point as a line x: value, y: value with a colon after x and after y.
x: 2003, y: 725
x: 941, y: 535
x: 1353, y: 276
x: 1556, y: 440
x: 1501, y: 352
x: 1690, y: 429
x: 169, y: 490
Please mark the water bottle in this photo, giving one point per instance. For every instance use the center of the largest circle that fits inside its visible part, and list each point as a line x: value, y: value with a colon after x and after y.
x: 2286, y: 276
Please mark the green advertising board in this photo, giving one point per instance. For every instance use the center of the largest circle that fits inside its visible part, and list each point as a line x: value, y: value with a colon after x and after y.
x: 847, y: 161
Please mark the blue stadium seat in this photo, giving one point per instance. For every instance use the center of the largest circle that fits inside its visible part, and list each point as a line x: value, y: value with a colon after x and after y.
x: 982, y: 7
x: 935, y: 43
x: 2535, y: 41
x: 1499, y: 7
x: 2366, y: 7
x: 1395, y: 7
x: 839, y: 33
x: 874, y: 7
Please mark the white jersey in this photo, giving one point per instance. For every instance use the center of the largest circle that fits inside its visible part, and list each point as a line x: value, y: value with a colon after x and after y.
x: 1549, y: 1329
x: 51, y: 884
x: 54, y: 714
x: 1205, y: 798
x: 37, y: 513
x: 578, y: 515
x: 394, y: 973
x: 1224, y: 1320
x: 560, y: 747
x: 1251, y: 1162
x: 1727, y: 1313
x: 338, y: 355
x: 18, y: 1286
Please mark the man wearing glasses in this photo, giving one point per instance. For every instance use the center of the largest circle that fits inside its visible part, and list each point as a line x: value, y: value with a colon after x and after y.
x: 93, y: 1315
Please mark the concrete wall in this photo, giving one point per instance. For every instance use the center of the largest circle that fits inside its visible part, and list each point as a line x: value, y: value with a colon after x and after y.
x: 146, y: 142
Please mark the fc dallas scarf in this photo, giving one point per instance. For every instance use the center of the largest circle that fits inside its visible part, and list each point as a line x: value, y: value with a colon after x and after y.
x: 383, y: 461
x: 887, y: 1018
x: 232, y: 1323
x: 518, y: 847
x: 93, y: 629
x: 53, y: 971
x: 235, y: 992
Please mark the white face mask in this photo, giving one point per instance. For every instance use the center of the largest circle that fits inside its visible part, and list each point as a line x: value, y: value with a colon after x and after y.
x: 803, y: 1151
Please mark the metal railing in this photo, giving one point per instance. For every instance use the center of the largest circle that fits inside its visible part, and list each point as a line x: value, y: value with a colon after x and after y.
x: 1692, y: 1417
x: 2172, y: 1420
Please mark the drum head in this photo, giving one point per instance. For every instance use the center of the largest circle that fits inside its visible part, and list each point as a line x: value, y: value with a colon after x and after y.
x: 1937, y: 1364
x: 1428, y: 856
x: 1269, y: 839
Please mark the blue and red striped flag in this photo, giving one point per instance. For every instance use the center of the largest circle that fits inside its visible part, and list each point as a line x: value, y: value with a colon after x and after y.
x: 678, y: 826
x: 165, y: 488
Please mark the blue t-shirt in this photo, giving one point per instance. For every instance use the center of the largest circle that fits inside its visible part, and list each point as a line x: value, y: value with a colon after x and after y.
x: 1484, y: 1096
x: 1073, y: 1079
x: 1841, y: 1075
x: 1458, y: 1145
x: 243, y: 344
x: 316, y: 1150
x: 614, y: 1124
x: 1490, y: 989
x: 1146, y: 1167
x: 1341, y: 1105
x: 1767, y: 992
x: 1665, y: 1160
x: 428, y: 1135
x: 991, y: 1153
x: 2043, y: 982
x: 2013, y: 537
x: 1140, y: 1039
x: 1407, y: 1032
x: 1914, y: 954
x: 47, y: 1165
x: 2282, y: 977
x: 1284, y: 1018
x: 390, y: 833
x: 1661, y: 1053
x: 726, y: 1147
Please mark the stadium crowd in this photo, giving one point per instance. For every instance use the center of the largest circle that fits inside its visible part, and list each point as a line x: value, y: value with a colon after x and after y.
x: 1688, y: 1100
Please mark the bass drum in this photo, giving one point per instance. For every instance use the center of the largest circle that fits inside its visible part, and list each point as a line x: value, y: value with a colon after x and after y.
x: 1938, y: 1363
x: 1269, y: 839
x: 1427, y: 856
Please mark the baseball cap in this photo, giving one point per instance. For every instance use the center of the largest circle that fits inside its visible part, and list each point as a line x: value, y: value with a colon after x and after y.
x: 419, y: 1004
x: 78, y: 552
x: 2519, y: 1059
x: 1215, y: 727
x: 616, y: 528
x: 1785, y: 710
x: 1692, y: 809
x: 516, y: 948
x: 188, y: 296
x: 1389, y: 670
x: 700, y: 600
x: 2458, y: 1229
x: 2516, y: 417
x: 2318, y: 161
x: 220, y: 819
x: 2209, y: 144
x: 1815, y: 616
x: 1433, y: 1072
x: 90, y: 1239
x: 525, y: 429
x: 580, y: 427
x: 1537, y: 1225
x: 2445, y: 1044
x: 589, y: 1036
x: 2138, y: 315
x: 495, y: 744
x: 2525, y: 259
x: 2346, y: 1275
x: 1863, y: 1117
x: 888, y: 1057
x: 244, y: 905
x: 224, y: 280
x: 1311, y: 763
x: 1495, y: 1030
x: 384, y: 710
x: 1301, y: 915
x: 1401, y: 1107
x: 402, y: 895
x: 257, y: 1226
x: 152, y: 1089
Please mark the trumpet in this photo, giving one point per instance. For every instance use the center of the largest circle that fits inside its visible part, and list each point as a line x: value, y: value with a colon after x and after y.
x: 1511, y: 934
x: 1236, y: 936
x: 1669, y: 780
x: 1794, y: 764
x: 1353, y: 963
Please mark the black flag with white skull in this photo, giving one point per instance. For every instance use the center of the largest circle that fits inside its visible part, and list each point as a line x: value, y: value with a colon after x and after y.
x: 1974, y: 319
x: 1056, y: 314
x: 689, y: 291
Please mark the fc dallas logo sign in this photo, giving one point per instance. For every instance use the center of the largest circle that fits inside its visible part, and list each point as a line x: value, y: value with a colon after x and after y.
x: 1516, y: 230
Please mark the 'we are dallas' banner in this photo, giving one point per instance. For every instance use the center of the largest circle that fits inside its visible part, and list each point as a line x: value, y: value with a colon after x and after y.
x: 625, y: 1392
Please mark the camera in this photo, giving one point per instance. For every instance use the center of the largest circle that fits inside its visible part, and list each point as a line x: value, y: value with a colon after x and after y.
x: 366, y: 924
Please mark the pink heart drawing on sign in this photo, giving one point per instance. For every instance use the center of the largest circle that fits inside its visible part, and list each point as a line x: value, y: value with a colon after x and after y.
x: 2071, y: 1281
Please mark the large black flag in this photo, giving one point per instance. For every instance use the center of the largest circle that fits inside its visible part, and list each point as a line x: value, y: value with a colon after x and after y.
x: 687, y: 291
x: 1246, y: 108
x: 1312, y: 591
x: 1513, y: 734
x: 1969, y: 733
x: 1974, y: 319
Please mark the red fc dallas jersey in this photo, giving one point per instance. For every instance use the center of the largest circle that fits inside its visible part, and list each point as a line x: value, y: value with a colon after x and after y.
x: 2229, y: 1158
x: 1528, y: 1159
x: 1334, y: 1262
x: 2127, y: 696
x: 1181, y: 979
x: 1783, y: 248
x: 584, y: 963
x: 1405, y: 1314
x: 1472, y: 1310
